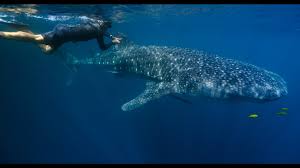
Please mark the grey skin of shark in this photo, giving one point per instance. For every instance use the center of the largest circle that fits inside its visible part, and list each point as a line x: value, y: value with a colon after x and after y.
x: 174, y: 70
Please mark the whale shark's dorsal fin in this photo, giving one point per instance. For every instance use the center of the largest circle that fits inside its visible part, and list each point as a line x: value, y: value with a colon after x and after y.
x: 153, y: 91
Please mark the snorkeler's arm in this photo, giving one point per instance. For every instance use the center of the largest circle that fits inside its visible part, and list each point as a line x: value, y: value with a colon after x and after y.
x: 101, y: 43
x: 108, y: 35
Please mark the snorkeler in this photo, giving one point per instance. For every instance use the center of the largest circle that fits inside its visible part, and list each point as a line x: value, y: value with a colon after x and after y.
x: 52, y: 40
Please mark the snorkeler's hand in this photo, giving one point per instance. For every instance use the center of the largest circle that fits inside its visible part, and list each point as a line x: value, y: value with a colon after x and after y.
x: 116, y: 40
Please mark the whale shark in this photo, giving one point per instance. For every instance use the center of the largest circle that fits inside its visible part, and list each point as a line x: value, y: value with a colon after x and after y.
x: 174, y: 70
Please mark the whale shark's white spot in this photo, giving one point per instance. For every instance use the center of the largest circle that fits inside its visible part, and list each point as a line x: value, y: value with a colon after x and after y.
x: 209, y: 84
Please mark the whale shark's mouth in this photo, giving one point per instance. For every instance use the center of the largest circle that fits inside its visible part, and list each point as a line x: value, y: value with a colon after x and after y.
x: 265, y: 94
x: 273, y: 88
x: 279, y: 87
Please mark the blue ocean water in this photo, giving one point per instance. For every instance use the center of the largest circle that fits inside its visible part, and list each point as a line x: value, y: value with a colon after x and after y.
x: 50, y: 115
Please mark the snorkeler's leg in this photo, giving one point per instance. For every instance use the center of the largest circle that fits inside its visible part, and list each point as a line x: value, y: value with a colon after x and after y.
x: 27, y: 37
x: 22, y: 36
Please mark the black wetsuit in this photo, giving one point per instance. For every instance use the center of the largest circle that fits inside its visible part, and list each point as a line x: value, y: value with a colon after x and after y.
x: 87, y: 30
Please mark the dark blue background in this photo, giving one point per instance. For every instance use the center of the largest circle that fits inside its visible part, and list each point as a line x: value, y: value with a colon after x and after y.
x: 45, y: 120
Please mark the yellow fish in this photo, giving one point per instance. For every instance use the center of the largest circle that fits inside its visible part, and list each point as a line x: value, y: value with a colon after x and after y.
x: 285, y: 109
x: 253, y: 116
x: 282, y: 113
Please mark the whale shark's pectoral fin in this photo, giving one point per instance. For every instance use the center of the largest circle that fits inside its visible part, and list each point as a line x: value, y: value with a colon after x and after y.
x: 153, y: 91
